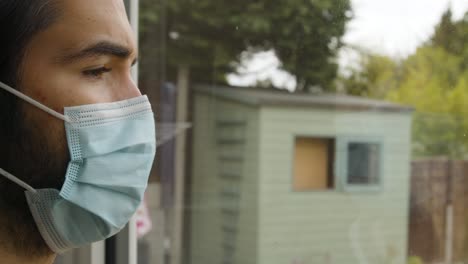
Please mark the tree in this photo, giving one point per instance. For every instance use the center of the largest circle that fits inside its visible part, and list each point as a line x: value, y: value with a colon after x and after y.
x: 444, y: 34
x: 374, y: 76
x: 432, y: 83
x: 452, y: 36
x: 208, y: 36
x: 433, y: 80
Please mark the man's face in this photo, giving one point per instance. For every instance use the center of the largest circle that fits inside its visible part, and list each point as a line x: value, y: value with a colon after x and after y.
x: 83, y: 58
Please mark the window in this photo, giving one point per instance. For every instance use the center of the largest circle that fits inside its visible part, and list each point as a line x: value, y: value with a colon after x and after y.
x: 360, y: 163
x: 313, y: 164
x: 363, y: 163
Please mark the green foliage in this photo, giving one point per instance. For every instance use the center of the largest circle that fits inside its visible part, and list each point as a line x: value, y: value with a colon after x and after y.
x: 433, y: 84
x: 210, y: 35
x: 452, y: 36
x: 415, y: 260
x: 374, y: 77
x: 434, y: 80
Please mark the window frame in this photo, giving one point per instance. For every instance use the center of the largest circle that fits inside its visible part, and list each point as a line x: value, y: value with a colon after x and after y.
x: 342, y: 154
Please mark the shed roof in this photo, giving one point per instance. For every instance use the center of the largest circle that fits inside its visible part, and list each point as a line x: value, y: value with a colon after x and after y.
x: 276, y: 97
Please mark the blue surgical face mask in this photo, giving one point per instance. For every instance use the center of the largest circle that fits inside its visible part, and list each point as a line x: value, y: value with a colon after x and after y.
x: 112, y: 148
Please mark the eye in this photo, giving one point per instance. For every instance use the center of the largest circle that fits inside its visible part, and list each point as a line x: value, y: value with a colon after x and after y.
x: 96, y: 73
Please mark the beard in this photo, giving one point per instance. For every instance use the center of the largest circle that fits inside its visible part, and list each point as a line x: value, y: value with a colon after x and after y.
x: 39, y: 158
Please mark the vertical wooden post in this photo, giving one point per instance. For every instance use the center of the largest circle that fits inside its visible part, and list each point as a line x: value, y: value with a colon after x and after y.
x: 449, y: 215
x: 179, y: 170
x: 449, y: 234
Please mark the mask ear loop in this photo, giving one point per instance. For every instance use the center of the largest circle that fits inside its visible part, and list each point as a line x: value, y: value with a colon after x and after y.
x: 34, y: 102
x: 17, y: 181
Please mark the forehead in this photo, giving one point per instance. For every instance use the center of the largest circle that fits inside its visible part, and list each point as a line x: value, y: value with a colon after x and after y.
x: 85, y: 21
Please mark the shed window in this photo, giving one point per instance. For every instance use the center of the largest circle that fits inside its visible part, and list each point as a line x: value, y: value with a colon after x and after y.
x: 363, y: 163
x: 313, y: 163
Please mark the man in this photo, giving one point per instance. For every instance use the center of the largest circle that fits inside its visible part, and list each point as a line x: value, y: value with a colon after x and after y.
x: 58, y: 54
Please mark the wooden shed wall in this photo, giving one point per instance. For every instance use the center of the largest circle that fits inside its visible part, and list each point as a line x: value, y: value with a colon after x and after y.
x: 332, y: 226
x: 224, y: 182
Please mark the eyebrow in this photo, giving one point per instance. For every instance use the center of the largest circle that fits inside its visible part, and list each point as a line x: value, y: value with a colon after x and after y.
x: 102, y: 48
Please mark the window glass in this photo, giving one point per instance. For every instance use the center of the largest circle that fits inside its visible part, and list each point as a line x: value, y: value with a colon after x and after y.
x: 363, y: 163
x: 297, y: 132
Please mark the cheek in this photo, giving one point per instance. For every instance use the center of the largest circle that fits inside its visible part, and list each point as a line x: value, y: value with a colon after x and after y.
x: 56, y: 86
x: 51, y: 129
x: 46, y: 85
x: 55, y: 91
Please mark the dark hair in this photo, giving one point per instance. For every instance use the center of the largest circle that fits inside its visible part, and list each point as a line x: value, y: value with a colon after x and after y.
x: 20, y: 21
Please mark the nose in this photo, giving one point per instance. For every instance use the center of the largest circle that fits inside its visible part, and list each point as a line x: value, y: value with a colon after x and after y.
x: 128, y: 89
x: 134, y: 91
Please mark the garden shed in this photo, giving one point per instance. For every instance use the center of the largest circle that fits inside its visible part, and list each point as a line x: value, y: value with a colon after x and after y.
x: 290, y: 178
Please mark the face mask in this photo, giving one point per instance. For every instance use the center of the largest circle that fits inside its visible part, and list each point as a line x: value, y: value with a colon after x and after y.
x: 112, y: 147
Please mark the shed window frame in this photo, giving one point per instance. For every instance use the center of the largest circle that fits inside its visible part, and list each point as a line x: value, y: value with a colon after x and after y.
x: 342, y: 154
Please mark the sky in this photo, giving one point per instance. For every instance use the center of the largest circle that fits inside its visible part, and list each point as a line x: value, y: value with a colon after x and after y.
x: 390, y: 27
x: 397, y: 27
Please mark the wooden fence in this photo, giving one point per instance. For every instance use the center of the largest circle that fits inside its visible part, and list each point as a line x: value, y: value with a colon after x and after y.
x: 435, y: 185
